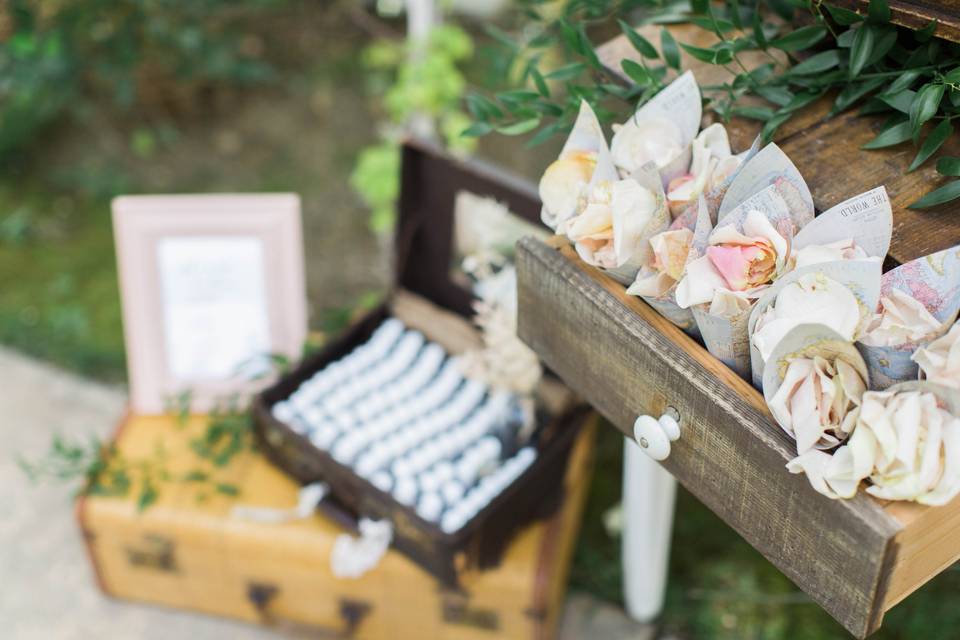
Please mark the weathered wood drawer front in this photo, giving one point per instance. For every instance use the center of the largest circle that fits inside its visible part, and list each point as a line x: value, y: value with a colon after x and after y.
x: 627, y: 360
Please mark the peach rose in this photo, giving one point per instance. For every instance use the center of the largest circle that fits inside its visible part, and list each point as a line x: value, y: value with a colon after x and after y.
x: 563, y: 185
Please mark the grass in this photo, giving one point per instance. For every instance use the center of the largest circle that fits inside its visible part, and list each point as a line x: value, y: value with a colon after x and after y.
x: 58, y: 283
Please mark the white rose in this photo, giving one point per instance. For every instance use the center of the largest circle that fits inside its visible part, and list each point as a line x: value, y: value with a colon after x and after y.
x: 634, y: 144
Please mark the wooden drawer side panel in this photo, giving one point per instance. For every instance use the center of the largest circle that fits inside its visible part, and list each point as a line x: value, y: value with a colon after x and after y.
x: 625, y: 360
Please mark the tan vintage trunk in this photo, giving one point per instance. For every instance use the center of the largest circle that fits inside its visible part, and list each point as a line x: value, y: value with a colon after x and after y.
x: 194, y: 554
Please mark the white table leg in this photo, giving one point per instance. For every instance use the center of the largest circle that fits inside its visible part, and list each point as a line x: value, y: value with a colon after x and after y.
x: 649, y: 494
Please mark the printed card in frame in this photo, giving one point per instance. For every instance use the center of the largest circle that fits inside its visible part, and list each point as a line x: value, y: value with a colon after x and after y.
x: 211, y: 286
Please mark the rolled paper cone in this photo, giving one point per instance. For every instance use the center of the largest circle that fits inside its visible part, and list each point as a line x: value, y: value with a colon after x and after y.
x: 932, y: 280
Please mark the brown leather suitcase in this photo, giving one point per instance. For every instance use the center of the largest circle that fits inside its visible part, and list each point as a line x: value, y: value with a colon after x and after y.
x: 196, y: 554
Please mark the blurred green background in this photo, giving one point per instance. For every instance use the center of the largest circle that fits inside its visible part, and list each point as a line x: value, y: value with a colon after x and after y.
x: 100, y: 97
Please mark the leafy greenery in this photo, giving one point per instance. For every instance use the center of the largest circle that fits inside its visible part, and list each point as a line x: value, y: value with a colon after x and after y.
x: 60, y: 57
x: 411, y: 80
x: 813, y: 50
x: 100, y: 469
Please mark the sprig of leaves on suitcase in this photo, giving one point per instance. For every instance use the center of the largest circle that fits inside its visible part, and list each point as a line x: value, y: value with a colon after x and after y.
x: 861, y: 60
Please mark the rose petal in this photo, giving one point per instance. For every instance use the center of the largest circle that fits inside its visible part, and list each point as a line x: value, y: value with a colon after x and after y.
x: 698, y: 283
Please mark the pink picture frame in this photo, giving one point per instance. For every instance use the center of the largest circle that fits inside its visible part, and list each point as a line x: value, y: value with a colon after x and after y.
x: 210, y: 285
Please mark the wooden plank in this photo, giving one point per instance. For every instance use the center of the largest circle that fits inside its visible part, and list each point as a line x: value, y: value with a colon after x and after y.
x: 918, y: 14
x: 927, y: 544
x: 626, y: 359
x: 835, y: 168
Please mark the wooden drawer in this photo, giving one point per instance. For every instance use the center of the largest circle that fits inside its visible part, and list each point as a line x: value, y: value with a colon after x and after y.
x: 856, y: 558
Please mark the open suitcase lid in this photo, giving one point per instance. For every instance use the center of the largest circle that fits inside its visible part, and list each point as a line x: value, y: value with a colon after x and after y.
x: 429, y: 184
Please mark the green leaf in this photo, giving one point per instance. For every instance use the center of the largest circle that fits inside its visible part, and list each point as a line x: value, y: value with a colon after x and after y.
x: 952, y: 76
x: 671, y: 53
x: 842, y: 16
x: 903, y: 81
x: 754, y: 113
x: 884, y: 41
x: 925, y: 105
x: 721, y: 55
x: 771, y: 126
x: 540, y: 83
x: 570, y: 36
x: 873, y: 106
x: 900, y: 100
x: 817, y: 63
x: 546, y: 133
x: 636, y: 72
x: 853, y: 92
x: 923, y: 35
x: 783, y: 8
x: 227, y: 489
x: 845, y: 39
x: 802, y: 38
x: 862, y: 49
x: 148, y: 495
x: 586, y: 48
x: 894, y: 134
x: 758, y: 33
x: 567, y: 72
x: 801, y: 100
x: 713, y: 24
x: 879, y: 11
x: 517, y: 96
x: 477, y: 129
x: 735, y: 14
x: 934, y: 141
x: 946, y: 193
x: 519, y: 128
x: 948, y: 166
x: 641, y: 44
x: 776, y: 95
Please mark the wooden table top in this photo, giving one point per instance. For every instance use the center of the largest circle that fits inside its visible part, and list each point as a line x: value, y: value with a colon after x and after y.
x: 827, y: 152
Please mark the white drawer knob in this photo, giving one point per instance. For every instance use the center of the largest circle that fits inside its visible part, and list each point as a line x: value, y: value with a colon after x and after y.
x: 654, y: 436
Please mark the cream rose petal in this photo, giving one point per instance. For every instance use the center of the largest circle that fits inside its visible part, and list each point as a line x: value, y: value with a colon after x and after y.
x: 814, y: 464
x: 633, y: 207
x: 596, y: 223
x: 949, y: 485
x: 758, y: 225
x: 699, y: 283
x: 563, y: 185
x: 813, y: 298
x: 670, y: 250
x: 634, y: 143
x: 796, y: 372
x: 902, y: 320
x: 652, y: 284
x: 939, y: 361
